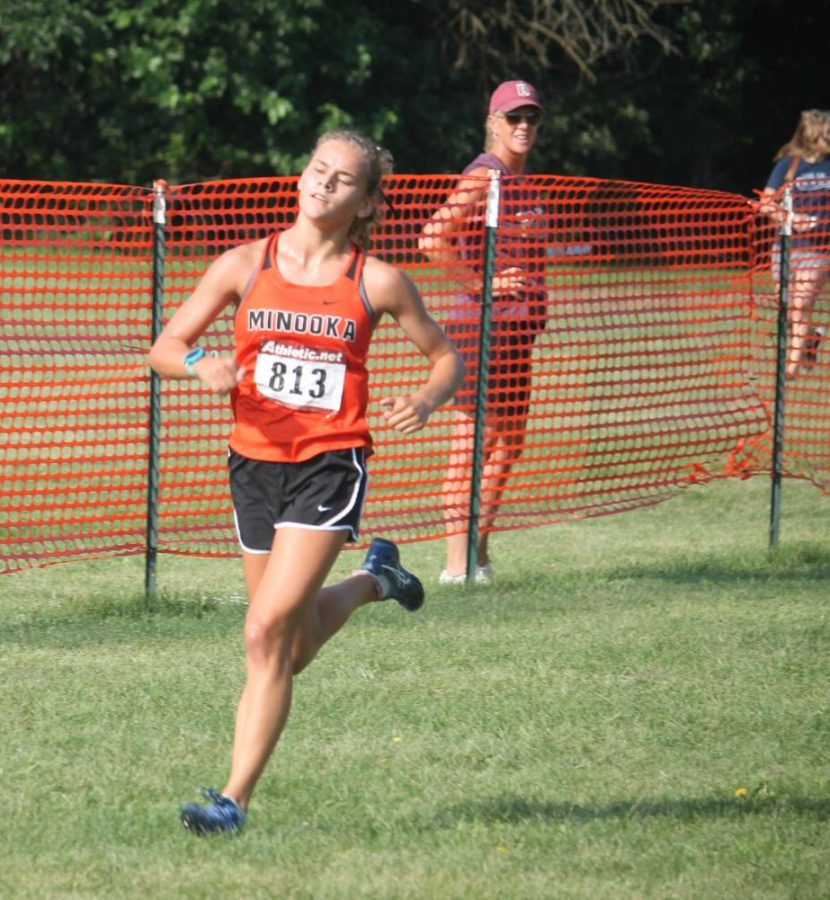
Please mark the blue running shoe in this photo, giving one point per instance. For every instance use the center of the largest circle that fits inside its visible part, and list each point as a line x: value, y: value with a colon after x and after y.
x: 384, y: 562
x: 221, y: 814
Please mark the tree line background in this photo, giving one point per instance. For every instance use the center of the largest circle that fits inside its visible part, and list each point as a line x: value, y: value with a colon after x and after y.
x: 691, y: 92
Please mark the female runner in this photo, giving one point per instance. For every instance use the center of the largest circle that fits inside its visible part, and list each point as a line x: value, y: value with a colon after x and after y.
x: 306, y: 302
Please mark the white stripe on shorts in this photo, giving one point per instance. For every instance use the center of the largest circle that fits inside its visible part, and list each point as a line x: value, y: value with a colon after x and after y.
x: 364, y: 478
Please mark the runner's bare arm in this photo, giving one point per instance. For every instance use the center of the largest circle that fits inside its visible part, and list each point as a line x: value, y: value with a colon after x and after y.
x: 391, y: 292
x: 221, y: 285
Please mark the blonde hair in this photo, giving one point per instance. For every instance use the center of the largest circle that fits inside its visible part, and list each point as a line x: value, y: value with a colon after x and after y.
x: 811, y: 140
x: 379, y: 163
x: 489, y: 136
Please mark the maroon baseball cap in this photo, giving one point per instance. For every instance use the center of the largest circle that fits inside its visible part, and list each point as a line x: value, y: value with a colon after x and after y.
x: 511, y: 95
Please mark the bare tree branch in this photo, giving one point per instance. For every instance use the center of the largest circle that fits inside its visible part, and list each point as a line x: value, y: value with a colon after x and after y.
x: 535, y: 32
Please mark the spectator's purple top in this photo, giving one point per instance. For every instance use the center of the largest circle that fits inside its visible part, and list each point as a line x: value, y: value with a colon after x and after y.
x: 522, y: 230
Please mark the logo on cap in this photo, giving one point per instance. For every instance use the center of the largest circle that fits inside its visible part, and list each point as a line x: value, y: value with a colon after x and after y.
x: 523, y: 90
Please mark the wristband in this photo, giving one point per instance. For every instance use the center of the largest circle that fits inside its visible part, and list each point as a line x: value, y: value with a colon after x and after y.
x: 192, y: 357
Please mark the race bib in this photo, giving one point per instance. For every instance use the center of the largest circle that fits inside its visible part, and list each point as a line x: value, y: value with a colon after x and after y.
x: 300, y: 376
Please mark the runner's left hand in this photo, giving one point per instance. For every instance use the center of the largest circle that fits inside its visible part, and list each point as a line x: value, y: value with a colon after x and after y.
x: 405, y: 414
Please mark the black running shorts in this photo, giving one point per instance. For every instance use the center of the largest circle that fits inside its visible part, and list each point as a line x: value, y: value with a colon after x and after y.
x: 324, y: 493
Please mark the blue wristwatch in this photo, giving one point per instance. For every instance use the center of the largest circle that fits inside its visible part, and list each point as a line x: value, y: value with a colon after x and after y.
x: 192, y: 357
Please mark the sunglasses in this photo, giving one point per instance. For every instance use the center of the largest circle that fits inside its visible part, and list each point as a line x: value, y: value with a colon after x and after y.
x: 533, y: 117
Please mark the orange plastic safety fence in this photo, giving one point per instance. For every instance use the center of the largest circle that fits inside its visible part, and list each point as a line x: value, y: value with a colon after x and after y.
x: 76, y: 271
x: 633, y: 355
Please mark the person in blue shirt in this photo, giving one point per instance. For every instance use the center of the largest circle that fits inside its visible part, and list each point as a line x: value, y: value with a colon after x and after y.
x: 804, y: 163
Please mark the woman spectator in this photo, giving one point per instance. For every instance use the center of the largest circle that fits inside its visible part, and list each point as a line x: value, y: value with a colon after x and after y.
x: 804, y: 164
x: 518, y: 315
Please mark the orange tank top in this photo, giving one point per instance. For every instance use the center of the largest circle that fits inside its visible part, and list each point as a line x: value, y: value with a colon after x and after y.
x: 304, y: 352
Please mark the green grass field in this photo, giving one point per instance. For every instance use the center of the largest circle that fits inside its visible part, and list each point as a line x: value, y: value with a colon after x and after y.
x: 638, y: 709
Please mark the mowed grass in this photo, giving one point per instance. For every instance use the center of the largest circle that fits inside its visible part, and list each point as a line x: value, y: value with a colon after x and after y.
x: 638, y: 709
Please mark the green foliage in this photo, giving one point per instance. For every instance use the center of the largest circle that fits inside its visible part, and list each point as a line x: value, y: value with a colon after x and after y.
x: 133, y: 91
x: 713, y: 112
x: 128, y: 92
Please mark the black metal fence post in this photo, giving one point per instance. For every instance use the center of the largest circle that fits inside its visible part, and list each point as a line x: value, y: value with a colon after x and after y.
x: 491, y: 225
x: 154, y: 425
x: 781, y: 369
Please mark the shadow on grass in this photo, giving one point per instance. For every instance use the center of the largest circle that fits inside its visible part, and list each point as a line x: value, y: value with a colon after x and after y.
x: 802, y: 563
x: 104, y: 620
x: 518, y: 810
